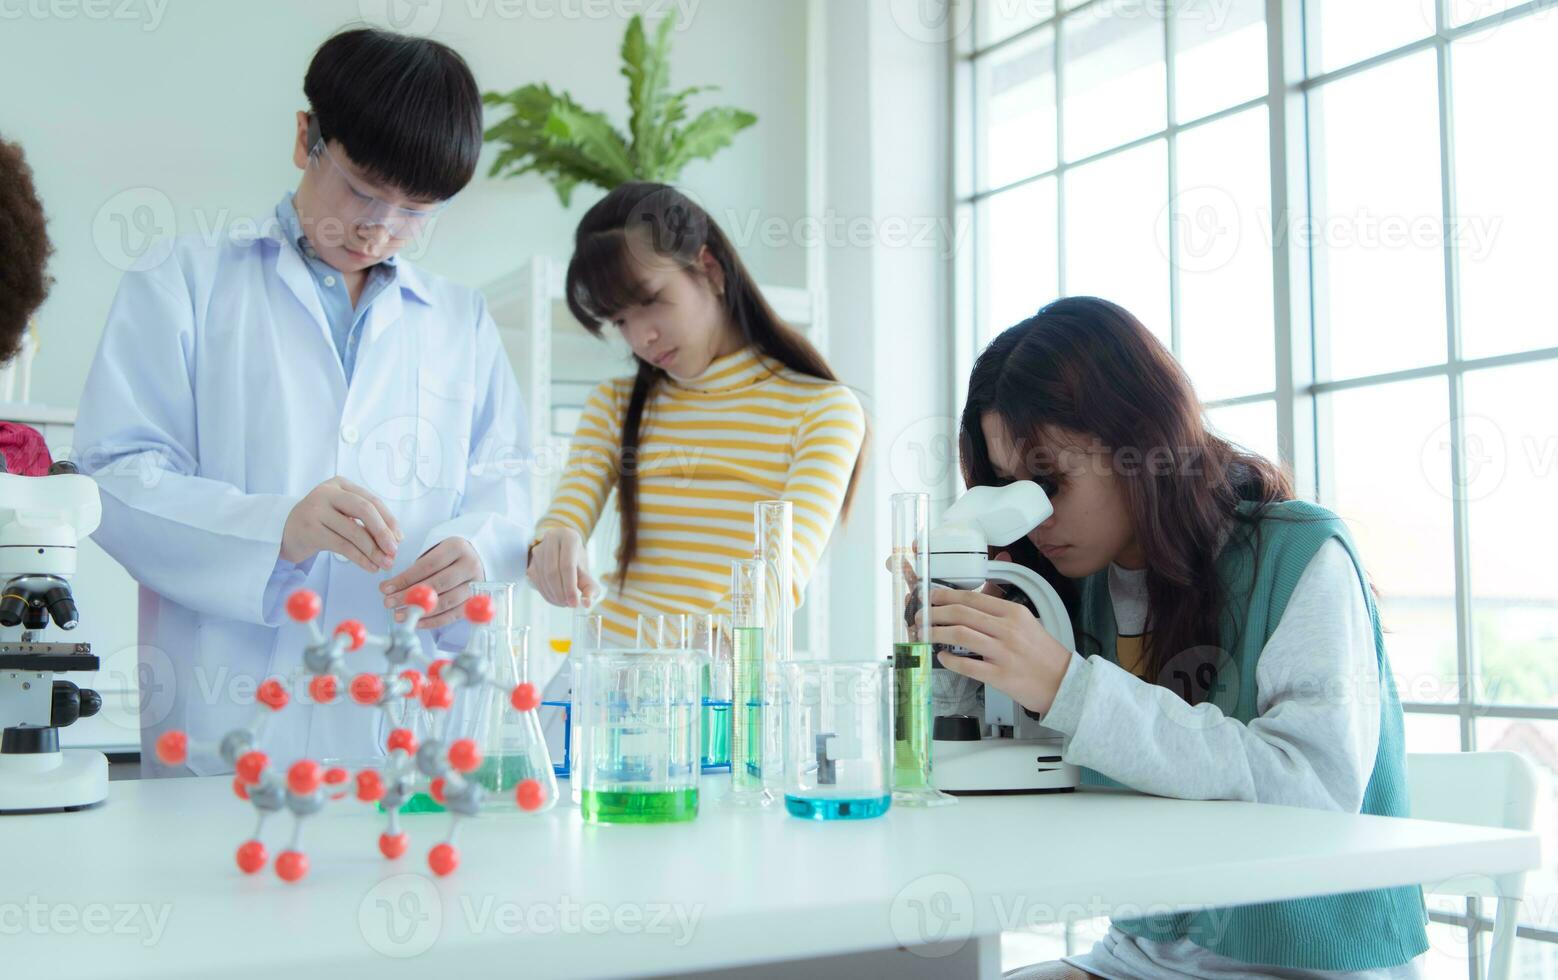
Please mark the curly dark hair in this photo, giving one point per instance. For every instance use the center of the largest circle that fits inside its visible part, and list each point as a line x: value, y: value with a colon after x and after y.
x: 24, y: 249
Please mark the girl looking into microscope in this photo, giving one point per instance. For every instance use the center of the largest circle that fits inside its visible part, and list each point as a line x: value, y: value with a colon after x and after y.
x: 1217, y: 618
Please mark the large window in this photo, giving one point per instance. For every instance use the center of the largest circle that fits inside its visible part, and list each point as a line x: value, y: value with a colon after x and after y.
x: 1342, y: 216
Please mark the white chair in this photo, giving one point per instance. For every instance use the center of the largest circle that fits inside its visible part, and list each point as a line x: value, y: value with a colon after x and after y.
x: 1487, y: 789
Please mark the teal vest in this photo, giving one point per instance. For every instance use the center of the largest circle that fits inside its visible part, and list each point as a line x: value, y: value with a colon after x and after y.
x: 1354, y: 931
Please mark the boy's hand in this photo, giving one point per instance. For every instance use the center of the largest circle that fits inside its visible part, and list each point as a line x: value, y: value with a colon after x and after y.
x: 1021, y: 658
x: 449, y: 567
x: 343, y: 518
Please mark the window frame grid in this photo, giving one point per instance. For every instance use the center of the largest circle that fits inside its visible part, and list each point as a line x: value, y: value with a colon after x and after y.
x: 1298, y: 392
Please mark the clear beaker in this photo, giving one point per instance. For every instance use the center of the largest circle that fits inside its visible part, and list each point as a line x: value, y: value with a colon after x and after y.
x: 639, y: 761
x: 513, y: 748
x: 838, y: 739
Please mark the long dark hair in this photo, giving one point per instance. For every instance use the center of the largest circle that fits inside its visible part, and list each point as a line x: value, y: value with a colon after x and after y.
x: 1086, y: 366
x: 642, y: 220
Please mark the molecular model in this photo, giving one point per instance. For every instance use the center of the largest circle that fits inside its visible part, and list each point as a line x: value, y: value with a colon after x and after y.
x: 306, y: 786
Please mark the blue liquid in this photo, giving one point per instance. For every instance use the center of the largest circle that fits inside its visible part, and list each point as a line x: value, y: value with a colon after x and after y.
x: 565, y: 765
x: 716, y: 735
x: 824, y: 809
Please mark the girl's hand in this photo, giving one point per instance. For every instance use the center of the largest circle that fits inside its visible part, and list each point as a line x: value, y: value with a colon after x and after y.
x: 558, y: 568
x: 1021, y: 658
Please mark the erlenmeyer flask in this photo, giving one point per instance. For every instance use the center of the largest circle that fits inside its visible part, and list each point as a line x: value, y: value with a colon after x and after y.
x: 508, y: 732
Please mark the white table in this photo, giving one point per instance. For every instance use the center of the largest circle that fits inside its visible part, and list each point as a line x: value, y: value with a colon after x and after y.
x: 146, y: 886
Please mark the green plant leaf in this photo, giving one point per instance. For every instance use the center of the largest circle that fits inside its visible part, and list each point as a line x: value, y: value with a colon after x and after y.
x: 647, y: 68
x: 706, y: 135
x: 549, y: 134
x: 591, y: 135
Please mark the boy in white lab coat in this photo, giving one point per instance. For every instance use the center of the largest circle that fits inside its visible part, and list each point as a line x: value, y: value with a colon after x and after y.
x: 304, y: 408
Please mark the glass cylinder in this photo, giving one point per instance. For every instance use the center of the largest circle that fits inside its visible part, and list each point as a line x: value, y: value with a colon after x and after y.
x: 838, y: 739
x: 775, y: 545
x: 639, y: 762
x: 912, y: 656
x: 749, y: 694
x: 587, y: 637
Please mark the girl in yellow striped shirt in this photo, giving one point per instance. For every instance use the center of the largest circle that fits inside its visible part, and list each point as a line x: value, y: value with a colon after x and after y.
x: 729, y: 406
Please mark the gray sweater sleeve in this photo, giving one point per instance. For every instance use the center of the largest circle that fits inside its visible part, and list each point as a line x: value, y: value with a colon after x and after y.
x: 1312, y: 743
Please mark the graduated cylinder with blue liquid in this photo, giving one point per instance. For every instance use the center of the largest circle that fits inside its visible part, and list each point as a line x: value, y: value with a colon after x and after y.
x: 838, y: 739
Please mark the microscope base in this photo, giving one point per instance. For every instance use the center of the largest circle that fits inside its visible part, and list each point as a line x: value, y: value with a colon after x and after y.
x: 70, y: 779
x: 997, y: 766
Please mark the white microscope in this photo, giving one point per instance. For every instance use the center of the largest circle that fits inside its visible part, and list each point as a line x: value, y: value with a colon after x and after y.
x: 41, y: 520
x: 983, y: 743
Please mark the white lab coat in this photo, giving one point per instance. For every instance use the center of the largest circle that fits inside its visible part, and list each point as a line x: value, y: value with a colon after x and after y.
x: 216, y: 401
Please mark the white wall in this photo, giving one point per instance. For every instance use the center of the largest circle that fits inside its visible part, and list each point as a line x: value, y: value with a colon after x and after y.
x: 888, y: 279
x: 192, y: 103
x: 196, y: 104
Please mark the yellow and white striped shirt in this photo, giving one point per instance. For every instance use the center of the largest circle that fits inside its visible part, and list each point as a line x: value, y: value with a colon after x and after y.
x: 745, y: 430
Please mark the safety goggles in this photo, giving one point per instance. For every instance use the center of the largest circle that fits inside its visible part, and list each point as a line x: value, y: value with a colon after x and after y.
x: 347, y: 199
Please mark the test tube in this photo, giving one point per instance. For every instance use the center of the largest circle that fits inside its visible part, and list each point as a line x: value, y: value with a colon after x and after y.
x: 711, y: 638
x: 775, y: 546
x: 749, y: 693
x: 586, y: 640
x: 652, y: 633
x: 912, y: 662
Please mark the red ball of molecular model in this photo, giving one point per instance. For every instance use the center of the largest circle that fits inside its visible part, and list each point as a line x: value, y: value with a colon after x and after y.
x: 305, y: 787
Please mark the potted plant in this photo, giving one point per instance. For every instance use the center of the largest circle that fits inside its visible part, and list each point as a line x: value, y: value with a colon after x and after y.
x: 549, y: 133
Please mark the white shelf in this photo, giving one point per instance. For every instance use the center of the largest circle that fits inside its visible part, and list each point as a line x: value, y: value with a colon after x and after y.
x: 35, y: 414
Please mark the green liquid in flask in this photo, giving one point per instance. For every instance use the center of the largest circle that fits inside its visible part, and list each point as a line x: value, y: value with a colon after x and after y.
x: 636, y: 806
x: 911, y: 715
x: 502, y: 774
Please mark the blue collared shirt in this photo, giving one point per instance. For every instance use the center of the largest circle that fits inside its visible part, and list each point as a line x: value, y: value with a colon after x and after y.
x: 345, y: 322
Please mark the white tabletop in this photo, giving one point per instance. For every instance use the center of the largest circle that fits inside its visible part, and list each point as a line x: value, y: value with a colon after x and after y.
x: 145, y: 885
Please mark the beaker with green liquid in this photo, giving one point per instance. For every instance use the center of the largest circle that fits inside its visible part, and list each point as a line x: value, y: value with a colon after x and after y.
x: 640, y: 757
x: 838, y: 739
x: 913, y: 714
